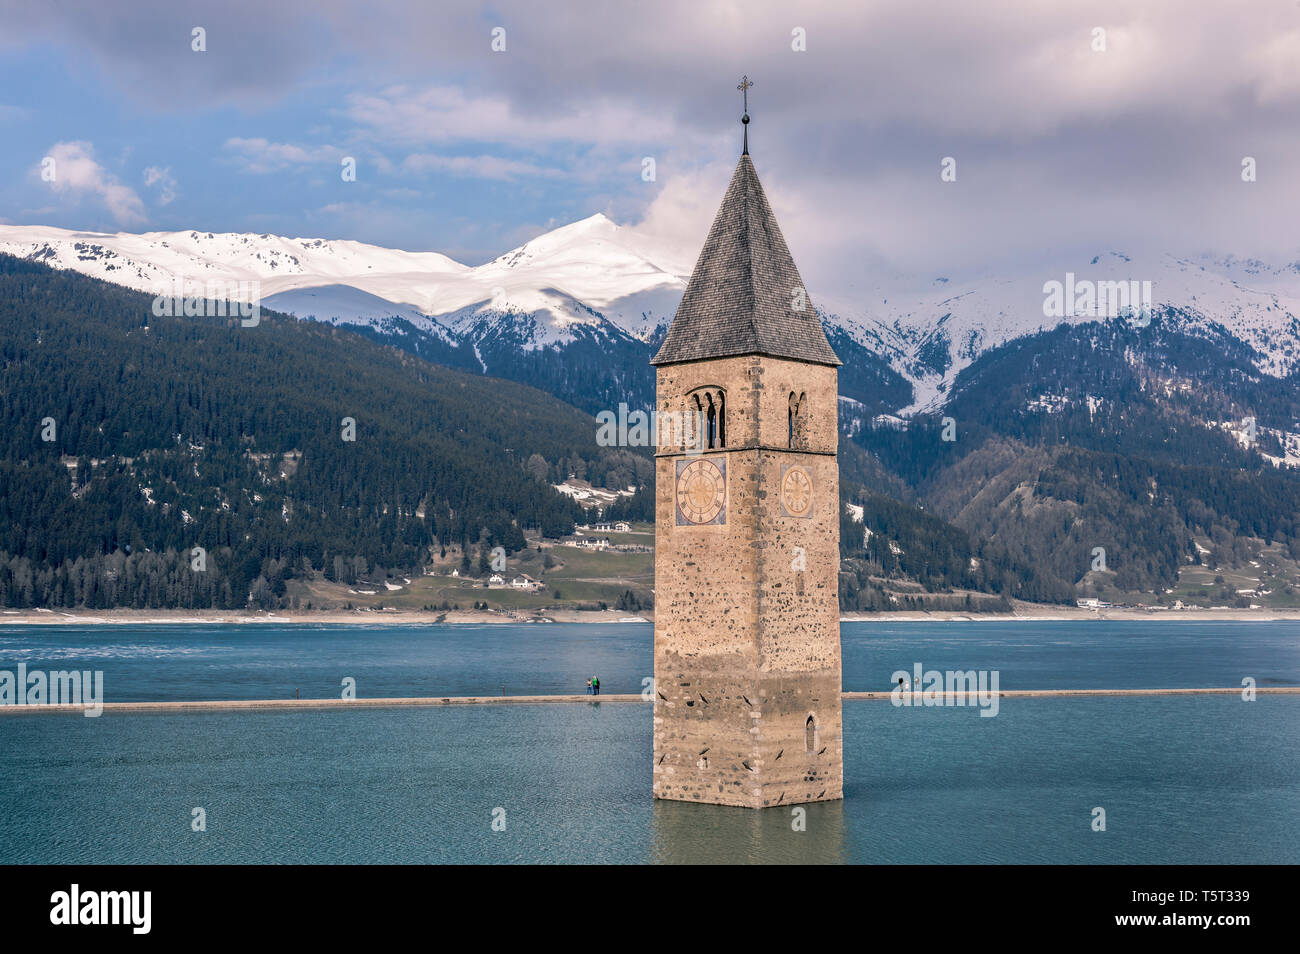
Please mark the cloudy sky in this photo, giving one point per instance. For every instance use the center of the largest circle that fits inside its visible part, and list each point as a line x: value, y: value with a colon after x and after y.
x: 1067, y: 141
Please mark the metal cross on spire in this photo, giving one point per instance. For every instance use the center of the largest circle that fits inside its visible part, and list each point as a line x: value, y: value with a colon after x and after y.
x: 744, y: 86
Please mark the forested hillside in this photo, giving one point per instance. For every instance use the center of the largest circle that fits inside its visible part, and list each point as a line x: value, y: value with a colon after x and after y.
x: 155, y: 461
x: 127, y: 440
x: 1108, y: 458
x: 890, y: 544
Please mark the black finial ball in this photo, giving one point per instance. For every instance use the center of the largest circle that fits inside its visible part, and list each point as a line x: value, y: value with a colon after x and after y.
x: 745, y: 119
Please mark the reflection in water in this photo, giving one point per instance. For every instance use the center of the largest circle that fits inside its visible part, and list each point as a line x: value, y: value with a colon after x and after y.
x: 685, y: 833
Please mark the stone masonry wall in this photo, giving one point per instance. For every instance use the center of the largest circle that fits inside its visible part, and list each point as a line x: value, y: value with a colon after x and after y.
x: 746, y: 612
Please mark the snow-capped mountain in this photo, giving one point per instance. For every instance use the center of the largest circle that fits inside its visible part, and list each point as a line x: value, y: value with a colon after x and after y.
x: 575, y: 311
x: 932, y: 334
x: 155, y: 259
x: 574, y: 275
x: 594, y: 285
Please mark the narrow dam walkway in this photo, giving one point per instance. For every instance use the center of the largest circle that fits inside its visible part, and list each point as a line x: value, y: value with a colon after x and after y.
x: 379, y: 702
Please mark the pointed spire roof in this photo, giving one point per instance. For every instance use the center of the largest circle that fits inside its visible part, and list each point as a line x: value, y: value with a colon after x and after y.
x: 744, y: 294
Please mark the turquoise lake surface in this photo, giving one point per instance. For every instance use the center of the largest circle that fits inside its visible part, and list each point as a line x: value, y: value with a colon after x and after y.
x: 1199, y: 779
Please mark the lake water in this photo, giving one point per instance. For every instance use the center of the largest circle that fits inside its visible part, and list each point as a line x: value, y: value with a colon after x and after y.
x: 1208, y: 779
x: 265, y: 661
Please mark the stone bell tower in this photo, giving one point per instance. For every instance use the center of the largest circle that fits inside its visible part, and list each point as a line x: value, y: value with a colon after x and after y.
x: 747, y: 639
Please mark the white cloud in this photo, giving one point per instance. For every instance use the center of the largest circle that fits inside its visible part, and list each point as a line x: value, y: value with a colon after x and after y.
x: 478, y: 167
x: 401, y: 114
x: 164, y: 180
x: 1276, y: 60
x: 677, y: 220
x: 259, y: 155
x: 1056, y: 144
x: 75, y: 172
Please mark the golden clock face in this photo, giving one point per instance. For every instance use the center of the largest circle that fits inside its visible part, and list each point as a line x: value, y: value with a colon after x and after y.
x: 796, y: 492
x: 701, y: 491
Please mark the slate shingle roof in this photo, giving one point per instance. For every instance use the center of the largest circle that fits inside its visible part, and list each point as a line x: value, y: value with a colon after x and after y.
x: 742, y: 296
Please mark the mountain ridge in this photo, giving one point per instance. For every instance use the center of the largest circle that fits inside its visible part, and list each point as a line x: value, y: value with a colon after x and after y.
x: 594, y: 280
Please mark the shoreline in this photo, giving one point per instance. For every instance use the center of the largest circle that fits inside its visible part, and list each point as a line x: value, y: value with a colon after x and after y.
x: 1023, y: 612
x: 430, y: 701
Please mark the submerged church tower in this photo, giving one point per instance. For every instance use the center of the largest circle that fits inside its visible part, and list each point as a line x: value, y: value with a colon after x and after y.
x: 747, y: 639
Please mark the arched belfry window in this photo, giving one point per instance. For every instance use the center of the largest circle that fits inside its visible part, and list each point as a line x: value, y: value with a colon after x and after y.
x: 709, y: 408
x: 810, y: 734
x: 796, y: 421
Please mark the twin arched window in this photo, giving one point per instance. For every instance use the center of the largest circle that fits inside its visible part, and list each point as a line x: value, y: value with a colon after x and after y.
x: 709, y: 405
x: 797, y: 420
